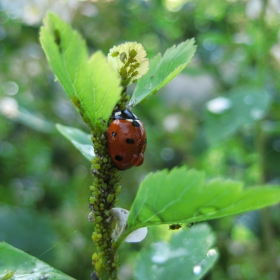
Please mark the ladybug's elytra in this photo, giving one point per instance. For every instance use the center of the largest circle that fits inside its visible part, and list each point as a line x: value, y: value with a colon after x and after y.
x: 126, y: 140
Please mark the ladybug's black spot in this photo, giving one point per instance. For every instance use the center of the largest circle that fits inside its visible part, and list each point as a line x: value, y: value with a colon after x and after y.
x: 114, y: 134
x: 129, y: 141
x: 135, y: 123
x: 118, y: 158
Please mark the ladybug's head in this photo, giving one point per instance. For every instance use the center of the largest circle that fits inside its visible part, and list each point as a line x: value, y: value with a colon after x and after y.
x: 125, y: 115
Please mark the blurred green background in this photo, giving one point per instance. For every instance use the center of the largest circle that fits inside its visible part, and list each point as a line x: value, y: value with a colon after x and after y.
x: 221, y: 115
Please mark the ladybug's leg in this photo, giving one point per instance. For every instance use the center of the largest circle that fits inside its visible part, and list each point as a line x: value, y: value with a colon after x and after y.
x: 137, y: 160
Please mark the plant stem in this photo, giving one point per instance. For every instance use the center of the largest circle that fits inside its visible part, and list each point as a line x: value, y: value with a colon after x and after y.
x: 265, y: 218
x: 105, y: 190
x: 261, y: 57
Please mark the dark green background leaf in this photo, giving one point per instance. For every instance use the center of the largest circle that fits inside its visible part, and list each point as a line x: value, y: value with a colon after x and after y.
x: 187, y: 255
x: 79, y: 139
x: 245, y: 105
x: 25, y: 266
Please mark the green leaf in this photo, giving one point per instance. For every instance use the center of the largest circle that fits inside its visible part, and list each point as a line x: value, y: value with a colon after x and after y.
x: 34, y: 121
x: 35, y: 241
x: 187, y: 255
x: 162, y: 70
x: 93, y: 86
x: 10, y: 108
x: 16, y: 264
x: 242, y: 106
x: 80, y: 139
x: 105, y: 85
x: 183, y: 196
x: 67, y: 54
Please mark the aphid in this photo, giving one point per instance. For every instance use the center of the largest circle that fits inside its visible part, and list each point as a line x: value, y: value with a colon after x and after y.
x: 190, y: 224
x: 175, y: 226
x: 94, y: 276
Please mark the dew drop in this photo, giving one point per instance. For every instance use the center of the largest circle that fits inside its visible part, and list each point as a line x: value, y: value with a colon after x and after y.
x: 218, y: 105
x: 9, y: 107
x: 208, y: 45
x: 256, y: 113
x: 171, y: 122
x: 167, y: 154
x: 248, y: 99
x: 11, y: 88
x: 211, y: 253
x: 197, y: 269
x: 161, y: 252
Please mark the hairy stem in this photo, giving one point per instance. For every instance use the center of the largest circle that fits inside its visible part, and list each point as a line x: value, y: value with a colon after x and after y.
x: 105, y: 189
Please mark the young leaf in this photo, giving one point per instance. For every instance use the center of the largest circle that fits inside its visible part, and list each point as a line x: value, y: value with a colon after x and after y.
x: 183, y: 196
x: 93, y: 86
x: 67, y: 54
x: 79, y: 139
x: 16, y: 264
x: 105, y: 88
x: 162, y: 70
x: 187, y: 255
x: 224, y: 116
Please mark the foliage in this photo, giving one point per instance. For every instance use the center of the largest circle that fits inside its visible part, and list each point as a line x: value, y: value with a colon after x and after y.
x: 183, y: 196
x: 162, y: 70
x: 162, y: 259
x: 16, y: 264
x: 85, y: 81
x: 237, y: 47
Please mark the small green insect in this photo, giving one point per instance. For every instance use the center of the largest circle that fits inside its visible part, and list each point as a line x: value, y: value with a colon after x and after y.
x: 123, y: 57
x: 175, y: 226
x: 8, y: 275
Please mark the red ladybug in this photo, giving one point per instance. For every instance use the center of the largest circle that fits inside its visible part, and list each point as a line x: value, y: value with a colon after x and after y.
x: 126, y: 140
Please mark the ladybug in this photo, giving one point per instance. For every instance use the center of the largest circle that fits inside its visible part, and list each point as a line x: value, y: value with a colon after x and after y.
x: 126, y: 140
x: 175, y: 226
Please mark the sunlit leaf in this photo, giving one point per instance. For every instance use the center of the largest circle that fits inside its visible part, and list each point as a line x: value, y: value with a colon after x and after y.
x: 67, y: 54
x: 105, y: 88
x: 182, y: 195
x: 35, y: 241
x: 16, y: 264
x: 79, y: 139
x: 92, y: 85
x: 163, y: 69
x: 187, y: 255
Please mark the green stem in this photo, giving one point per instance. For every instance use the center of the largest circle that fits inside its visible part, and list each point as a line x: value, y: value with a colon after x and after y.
x: 265, y: 217
x: 105, y: 190
x: 262, y: 56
